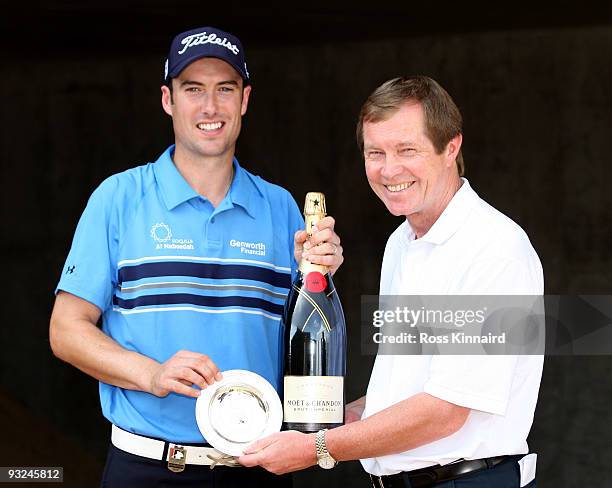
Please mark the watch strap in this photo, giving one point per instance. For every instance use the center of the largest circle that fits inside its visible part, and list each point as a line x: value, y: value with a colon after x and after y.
x: 320, y: 443
x: 321, y: 447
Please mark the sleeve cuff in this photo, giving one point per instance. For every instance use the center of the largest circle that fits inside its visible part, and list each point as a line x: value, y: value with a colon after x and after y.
x: 84, y: 294
x: 474, y: 402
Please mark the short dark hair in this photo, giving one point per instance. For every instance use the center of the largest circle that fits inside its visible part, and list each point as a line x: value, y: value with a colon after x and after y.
x: 443, y: 119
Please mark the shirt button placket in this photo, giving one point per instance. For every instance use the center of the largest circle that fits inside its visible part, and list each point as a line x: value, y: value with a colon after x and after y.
x: 213, y: 232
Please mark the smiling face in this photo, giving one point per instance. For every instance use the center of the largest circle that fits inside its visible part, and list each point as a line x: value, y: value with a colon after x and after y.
x: 206, y: 104
x: 404, y: 169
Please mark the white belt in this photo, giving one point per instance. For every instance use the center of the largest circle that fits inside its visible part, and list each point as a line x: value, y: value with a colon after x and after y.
x: 154, y: 449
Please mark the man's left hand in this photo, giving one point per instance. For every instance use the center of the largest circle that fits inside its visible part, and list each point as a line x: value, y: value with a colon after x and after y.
x: 282, y: 452
x: 323, y: 247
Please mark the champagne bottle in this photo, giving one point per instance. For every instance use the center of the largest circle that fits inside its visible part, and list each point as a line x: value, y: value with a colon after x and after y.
x: 315, y: 342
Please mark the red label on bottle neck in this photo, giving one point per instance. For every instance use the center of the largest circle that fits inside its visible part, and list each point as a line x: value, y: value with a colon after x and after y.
x: 315, y: 282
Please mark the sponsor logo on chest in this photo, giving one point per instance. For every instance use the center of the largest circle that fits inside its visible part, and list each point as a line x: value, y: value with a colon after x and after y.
x: 163, y: 238
x: 252, y: 248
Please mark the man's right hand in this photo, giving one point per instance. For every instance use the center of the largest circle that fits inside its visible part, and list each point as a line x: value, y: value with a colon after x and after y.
x: 182, y: 373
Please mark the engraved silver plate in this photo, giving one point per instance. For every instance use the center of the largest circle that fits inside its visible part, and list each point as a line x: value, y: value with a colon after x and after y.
x: 236, y: 411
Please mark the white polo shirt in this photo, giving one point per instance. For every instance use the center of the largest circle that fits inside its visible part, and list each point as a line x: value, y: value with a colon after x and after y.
x: 472, y: 249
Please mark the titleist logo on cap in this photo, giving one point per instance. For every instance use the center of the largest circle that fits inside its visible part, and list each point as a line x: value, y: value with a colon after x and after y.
x: 203, y: 38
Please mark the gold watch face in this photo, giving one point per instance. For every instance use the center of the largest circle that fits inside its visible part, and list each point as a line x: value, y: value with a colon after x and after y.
x: 326, y: 462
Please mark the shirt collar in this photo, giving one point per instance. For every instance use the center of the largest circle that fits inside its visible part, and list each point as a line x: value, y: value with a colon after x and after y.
x: 453, y: 216
x: 175, y: 189
x: 243, y: 191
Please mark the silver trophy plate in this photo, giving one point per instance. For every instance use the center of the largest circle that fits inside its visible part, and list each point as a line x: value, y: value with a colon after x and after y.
x: 238, y: 410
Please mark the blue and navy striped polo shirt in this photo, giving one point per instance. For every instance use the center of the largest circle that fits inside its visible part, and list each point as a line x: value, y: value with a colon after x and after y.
x: 170, y: 272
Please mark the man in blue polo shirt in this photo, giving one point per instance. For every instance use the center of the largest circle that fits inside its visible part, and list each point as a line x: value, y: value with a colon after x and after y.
x: 188, y: 260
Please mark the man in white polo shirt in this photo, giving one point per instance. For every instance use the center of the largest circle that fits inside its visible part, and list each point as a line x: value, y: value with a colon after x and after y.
x: 444, y: 420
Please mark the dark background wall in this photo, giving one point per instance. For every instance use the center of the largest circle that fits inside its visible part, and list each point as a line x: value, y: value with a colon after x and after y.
x: 80, y: 101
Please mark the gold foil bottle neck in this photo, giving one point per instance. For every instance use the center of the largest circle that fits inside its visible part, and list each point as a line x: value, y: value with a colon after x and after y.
x: 314, y: 210
x: 315, y: 204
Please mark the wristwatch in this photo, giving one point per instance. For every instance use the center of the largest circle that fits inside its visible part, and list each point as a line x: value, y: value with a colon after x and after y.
x: 324, y: 458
